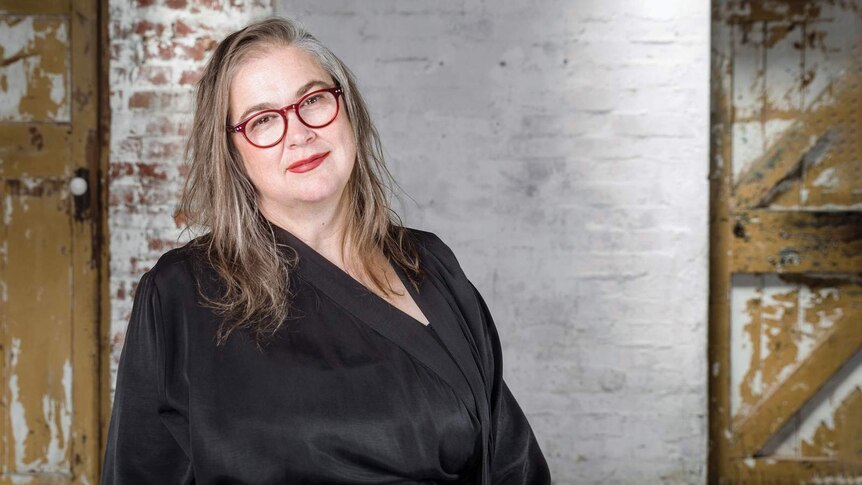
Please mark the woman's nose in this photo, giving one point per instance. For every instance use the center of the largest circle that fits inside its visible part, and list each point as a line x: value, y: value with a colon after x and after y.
x: 297, y: 133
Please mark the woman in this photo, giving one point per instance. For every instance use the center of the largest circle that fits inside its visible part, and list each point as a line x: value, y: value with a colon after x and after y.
x: 307, y: 337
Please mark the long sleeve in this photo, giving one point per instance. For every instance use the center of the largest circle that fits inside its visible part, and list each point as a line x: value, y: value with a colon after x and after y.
x: 516, y: 458
x: 142, y: 447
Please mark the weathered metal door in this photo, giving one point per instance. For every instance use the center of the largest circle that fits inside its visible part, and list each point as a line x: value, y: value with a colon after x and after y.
x: 786, y: 231
x: 49, y: 265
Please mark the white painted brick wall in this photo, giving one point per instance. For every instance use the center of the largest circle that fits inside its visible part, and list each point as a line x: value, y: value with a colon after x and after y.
x: 157, y: 48
x: 561, y: 149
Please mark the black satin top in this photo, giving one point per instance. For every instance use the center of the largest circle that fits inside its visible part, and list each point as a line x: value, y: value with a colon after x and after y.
x: 350, y: 391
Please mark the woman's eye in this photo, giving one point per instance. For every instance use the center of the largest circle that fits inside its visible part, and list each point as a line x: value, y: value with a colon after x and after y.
x: 261, y: 121
x: 311, y: 100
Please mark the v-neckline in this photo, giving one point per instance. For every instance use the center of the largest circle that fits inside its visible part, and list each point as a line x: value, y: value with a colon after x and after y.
x: 319, y: 258
x: 452, y: 357
x: 381, y: 316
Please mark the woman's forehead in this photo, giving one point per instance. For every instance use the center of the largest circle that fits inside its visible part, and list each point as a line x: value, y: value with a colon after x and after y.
x: 279, y: 68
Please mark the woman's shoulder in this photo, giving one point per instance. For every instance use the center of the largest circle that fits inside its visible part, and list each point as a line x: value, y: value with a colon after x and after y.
x: 183, y: 264
x: 432, y: 245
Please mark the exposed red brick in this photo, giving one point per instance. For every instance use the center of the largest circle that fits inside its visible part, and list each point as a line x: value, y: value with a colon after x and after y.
x: 162, y: 125
x: 165, y: 51
x: 177, y: 4
x: 141, y: 27
x: 131, y: 145
x: 209, y: 4
x: 156, y: 75
x: 145, y: 3
x: 144, y: 27
x: 182, y: 28
x: 142, y: 99
x: 151, y: 170
x: 156, y: 244
x: 121, y: 169
x: 189, y: 77
x: 202, y: 46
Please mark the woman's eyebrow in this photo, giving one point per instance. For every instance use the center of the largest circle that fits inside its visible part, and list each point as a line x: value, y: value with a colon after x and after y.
x: 299, y: 92
x: 310, y: 84
x: 257, y: 107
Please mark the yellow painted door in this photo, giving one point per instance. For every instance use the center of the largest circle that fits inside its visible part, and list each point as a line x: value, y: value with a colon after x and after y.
x: 786, y: 232
x: 49, y: 262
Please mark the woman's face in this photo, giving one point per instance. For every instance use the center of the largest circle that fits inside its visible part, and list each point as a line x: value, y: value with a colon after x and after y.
x: 279, y: 77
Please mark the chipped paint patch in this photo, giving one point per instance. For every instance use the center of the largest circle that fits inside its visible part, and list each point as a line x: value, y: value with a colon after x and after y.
x: 17, y: 413
x: 833, y: 427
x: 835, y: 480
x: 827, y: 178
x: 58, y: 415
x: 745, y: 288
x: 775, y: 325
x: 7, y: 210
x: 34, y: 68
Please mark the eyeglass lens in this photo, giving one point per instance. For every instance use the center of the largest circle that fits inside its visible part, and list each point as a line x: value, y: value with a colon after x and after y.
x: 314, y: 111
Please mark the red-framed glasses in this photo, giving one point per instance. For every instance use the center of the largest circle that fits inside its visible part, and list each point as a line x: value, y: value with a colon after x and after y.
x: 266, y: 128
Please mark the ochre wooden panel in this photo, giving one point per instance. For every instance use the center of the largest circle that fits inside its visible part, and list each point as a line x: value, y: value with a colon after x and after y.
x: 843, y: 440
x: 768, y: 471
x: 49, y: 128
x: 37, y: 307
x: 796, y: 242
x: 773, y: 411
x: 35, y: 150
x: 815, y: 139
x: 786, y: 195
x: 35, y: 7
x: 86, y: 256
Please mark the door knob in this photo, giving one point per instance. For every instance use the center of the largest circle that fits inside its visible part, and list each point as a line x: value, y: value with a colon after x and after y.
x: 78, y: 186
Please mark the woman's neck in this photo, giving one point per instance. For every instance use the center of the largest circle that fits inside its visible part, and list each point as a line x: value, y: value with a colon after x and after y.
x: 323, y: 227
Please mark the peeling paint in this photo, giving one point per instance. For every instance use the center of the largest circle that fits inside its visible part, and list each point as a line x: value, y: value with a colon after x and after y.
x: 791, y: 125
x: 775, y: 325
x: 35, y: 69
x: 17, y: 414
x: 58, y: 415
x: 7, y: 210
x: 827, y: 178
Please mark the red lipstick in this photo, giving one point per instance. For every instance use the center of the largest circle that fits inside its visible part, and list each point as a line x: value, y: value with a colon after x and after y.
x: 307, y: 164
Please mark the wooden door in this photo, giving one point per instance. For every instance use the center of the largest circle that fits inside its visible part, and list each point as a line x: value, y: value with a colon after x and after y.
x: 786, y: 232
x: 49, y: 262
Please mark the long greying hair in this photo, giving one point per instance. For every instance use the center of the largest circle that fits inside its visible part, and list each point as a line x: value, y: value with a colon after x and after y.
x: 219, y: 196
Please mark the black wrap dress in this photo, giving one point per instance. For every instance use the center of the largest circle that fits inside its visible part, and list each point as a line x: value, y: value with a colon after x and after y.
x: 351, y: 391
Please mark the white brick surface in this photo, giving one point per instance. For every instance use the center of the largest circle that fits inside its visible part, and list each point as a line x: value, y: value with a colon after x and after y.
x: 561, y: 149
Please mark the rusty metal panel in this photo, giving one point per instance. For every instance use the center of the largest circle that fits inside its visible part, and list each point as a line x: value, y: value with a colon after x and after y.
x: 34, y: 68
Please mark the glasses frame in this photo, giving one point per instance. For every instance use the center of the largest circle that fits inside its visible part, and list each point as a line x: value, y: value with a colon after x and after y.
x: 240, y: 127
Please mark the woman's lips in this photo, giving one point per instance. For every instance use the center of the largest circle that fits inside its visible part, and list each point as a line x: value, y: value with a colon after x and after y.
x: 307, y: 164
